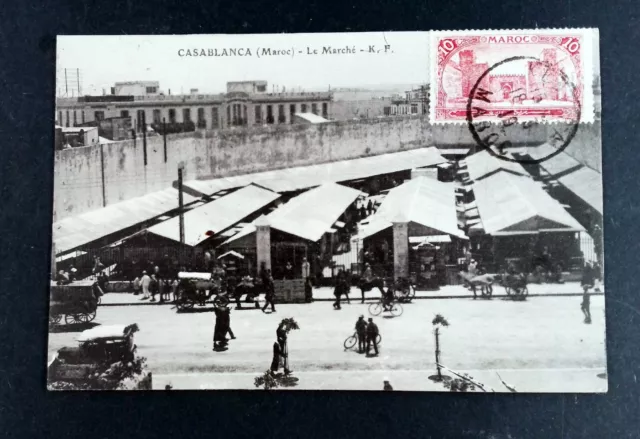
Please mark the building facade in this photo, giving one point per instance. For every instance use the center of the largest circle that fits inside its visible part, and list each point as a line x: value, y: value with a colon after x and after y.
x: 415, y: 101
x: 245, y: 103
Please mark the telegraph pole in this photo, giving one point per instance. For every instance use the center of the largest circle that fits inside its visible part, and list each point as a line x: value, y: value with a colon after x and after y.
x: 144, y: 136
x: 164, y: 136
x: 180, y: 208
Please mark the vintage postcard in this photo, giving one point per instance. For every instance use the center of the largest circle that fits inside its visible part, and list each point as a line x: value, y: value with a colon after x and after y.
x: 411, y: 211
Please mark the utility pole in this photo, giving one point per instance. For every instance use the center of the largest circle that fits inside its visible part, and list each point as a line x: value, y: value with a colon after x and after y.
x: 144, y: 136
x: 181, y: 210
x: 164, y: 136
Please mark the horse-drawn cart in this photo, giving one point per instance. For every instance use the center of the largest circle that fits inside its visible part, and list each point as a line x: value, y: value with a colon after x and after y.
x: 516, y: 285
x: 76, y: 301
x: 197, y: 288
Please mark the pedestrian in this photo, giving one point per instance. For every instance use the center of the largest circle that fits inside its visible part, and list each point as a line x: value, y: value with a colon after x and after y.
x: 369, y: 207
x: 281, y: 335
x: 587, y: 282
x: 308, y: 290
x: 226, y: 319
x: 288, y: 271
x: 361, y: 331
x: 207, y: 260
x: 137, y: 286
x: 153, y: 287
x: 219, y: 330
x: 306, y: 269
x: 337, y: 291
x: 277, y: 355
x: 387, y: 386
x: 372, y: 336
x: 270, y: 293
x: 473, y: 267
x: 62, y: 278
x: 73, y: 273
x: 145, y: 282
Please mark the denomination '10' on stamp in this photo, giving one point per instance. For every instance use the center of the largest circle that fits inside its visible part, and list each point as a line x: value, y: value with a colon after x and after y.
x: 529, y: 75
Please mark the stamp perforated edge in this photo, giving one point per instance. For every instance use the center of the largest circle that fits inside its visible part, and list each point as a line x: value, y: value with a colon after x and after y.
x: 591, y: 37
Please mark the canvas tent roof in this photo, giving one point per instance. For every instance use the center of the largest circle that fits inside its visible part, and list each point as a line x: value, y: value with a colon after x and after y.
x: 422, y: 200
x: 512, y: 204
x: 586, y: 183
x: 82, y: 229
x: 554, y: 165
x: 304, y: 177
x: 216, y: 215
x: 311, y: 117
x: 483, y: 164
x: 310, y: 214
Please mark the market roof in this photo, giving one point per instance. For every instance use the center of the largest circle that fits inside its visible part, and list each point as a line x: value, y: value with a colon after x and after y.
x: 214, y: 217
x: 422, y: 200
x: 312, y: 118
x: 73, y: 232
x: 483, y: 164
x: 513, y: 204
x: 554, y: 165
x: 304, y: 177
x: 586, y: 183
x: 309, y: 215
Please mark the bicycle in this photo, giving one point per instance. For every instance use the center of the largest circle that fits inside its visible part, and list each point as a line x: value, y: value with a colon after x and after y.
x: 378, y: 308
x: 352, y: 340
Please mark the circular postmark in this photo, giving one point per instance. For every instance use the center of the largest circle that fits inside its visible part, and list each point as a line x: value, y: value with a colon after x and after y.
x: 495, y: 137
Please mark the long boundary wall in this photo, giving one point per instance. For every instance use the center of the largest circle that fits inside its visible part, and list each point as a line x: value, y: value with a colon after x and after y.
x: 89, y: 178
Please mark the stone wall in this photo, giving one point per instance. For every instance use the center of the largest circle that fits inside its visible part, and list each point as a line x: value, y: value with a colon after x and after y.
x: 79, y: 173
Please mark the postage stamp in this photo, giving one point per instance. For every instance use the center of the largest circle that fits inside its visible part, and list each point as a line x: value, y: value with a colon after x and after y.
x: 534, y: 75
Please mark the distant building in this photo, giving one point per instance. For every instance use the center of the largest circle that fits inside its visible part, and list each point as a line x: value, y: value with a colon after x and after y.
x: 76, y: 137
x: 245, y: 103
x: 415, y: 101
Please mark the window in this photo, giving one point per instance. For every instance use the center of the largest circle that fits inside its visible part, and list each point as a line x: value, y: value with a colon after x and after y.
x: 152, y: 89
x: 82, y: 116
x: 261, y: 88
x: 124, y: 113
x: 314, y: 108
x: 244, y: 115
x: 281, y: 116
x: 325, y: 110
x: 258, y: 114
x: 60, y: 118
x: 98, y: 115
x: 75, y: 120
x: 202, y: 122
x: 186, y: 115
x: 215, y: 123
x: 172, y: 115
x: 235, y: 115
x: 67, y: 121
x: 386, y: 111
x: 292, y: 112
x: 228, y: 115
x: 414, y: 108
x: 303, y: 108
x: 157, y: 117
x: 269, y: 113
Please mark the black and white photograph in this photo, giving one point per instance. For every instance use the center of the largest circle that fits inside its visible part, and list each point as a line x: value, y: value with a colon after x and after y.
x: 408, y: 211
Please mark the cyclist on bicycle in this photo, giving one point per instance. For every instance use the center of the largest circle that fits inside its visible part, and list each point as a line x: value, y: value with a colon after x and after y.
x: 387, y: 299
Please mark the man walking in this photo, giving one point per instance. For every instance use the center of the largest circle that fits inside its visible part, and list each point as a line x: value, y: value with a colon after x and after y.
x: 588, y: 280
x: 145, y: 282
x: 270, y: 293
x: 361, y: 331
x: 372, y: 336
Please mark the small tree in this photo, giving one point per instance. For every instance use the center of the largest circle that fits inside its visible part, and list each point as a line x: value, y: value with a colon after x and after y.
x: 438, y: 322
x: 267, y: 380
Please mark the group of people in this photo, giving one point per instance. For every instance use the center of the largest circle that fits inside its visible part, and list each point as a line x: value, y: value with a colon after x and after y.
x: 150, y: 286
x: 367, y: 335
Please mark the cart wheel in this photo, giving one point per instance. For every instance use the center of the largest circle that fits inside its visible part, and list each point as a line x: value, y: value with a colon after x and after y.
x: 86, y: 317
x: 55, y: 318
x: 70, y: 319
x: 396, y: 310
x: 375, y: 309
x: 350, y: 342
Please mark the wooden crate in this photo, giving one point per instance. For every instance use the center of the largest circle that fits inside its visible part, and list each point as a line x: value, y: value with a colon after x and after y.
x: 289, y: 291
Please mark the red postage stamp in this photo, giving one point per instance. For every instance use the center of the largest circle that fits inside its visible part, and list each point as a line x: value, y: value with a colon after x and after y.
x: 534, y: 75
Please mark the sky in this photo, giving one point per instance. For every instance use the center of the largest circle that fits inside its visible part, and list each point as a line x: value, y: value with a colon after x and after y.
x: 104, y: 60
